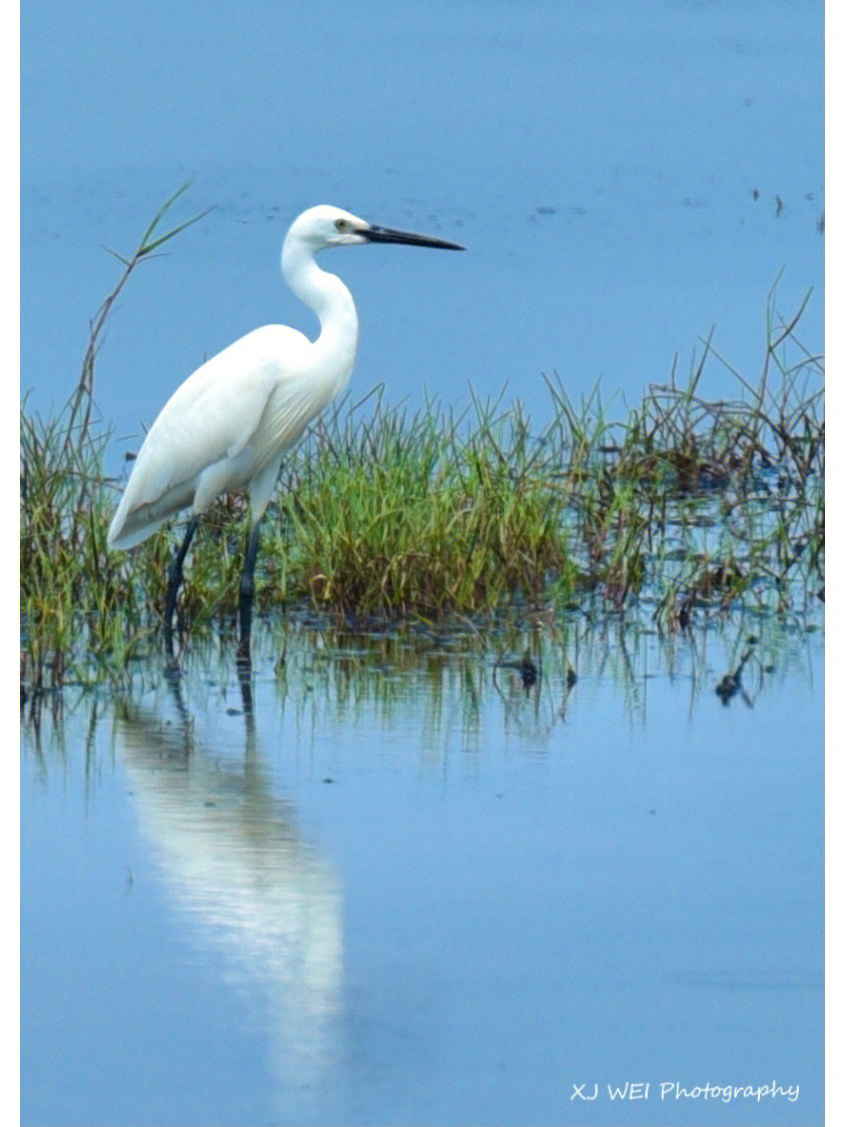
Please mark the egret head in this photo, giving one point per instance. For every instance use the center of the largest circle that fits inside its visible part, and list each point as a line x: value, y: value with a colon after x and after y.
x: 326, y: 226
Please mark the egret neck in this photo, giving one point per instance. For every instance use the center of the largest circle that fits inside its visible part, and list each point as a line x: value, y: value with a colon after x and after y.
x: 326, y: 294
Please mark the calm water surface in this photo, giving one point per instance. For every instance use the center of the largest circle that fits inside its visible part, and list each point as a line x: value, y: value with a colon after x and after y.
x: 614, y: 169
x: 407, y: 889
x: 498, y: 895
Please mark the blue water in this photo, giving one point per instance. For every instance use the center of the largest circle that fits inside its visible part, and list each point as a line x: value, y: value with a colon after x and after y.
x: 600, y: 161
x: 480, y: 911
x: 408, y: 891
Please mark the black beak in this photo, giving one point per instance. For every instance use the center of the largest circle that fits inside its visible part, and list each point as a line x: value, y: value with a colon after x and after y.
x: 388, y: 235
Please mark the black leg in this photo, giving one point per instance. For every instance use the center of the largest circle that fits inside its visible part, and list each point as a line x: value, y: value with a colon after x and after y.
x: 174, y: 579
x: 247, y: 592
x: 244, y: 671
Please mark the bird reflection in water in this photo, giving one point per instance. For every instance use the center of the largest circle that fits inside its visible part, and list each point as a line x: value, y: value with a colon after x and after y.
x: 241, y: 874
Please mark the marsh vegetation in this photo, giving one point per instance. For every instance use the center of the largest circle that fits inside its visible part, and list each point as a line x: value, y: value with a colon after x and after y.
x: 672, y: 511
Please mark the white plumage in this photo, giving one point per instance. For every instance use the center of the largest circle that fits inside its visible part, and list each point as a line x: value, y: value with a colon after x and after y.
x: 217, y: 433
x: 229, y: 423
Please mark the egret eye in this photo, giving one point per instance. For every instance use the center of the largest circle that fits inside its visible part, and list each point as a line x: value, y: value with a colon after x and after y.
x: 341, y: 224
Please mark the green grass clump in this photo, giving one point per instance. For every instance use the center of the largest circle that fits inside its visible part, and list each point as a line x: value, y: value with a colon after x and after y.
x: 80, y: 605
x: 682, y: 509
x: 390, y: 515
x: 77, y: 601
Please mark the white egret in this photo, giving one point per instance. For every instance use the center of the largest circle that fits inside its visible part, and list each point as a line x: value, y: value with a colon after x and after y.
x: 228, y: 425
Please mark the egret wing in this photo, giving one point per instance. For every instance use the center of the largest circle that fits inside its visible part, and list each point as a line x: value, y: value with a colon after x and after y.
x: 206, y: 428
